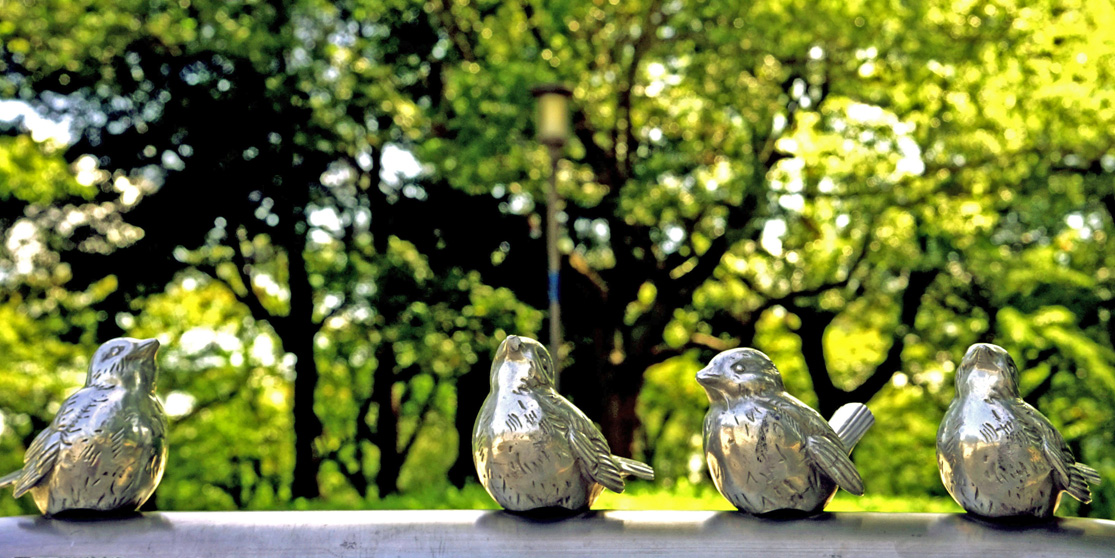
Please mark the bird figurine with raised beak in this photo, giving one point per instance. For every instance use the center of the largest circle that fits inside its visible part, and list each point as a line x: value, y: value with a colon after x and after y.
x: 106, y: 448
x: 532, y: 448
x: 767, y: 451
x: 998, y: 456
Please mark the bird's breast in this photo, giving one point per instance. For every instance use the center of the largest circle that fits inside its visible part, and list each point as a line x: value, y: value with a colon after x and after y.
x: 757, y: 460
x: 525, y: 461
x: 983, y: 423
x: 749, y: 437
x: 514, y: 432
x: 516, y: 413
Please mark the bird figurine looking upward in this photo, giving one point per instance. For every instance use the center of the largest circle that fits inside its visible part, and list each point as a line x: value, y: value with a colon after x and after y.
x: 106, y: 448
x: 769, y: 452
x: 998, y: 456
x: 532, y: 448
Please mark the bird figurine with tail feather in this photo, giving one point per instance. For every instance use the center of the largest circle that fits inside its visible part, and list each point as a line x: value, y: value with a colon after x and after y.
x: 534, y: 450
x: 106, y: 448
x: 999, y: 457
x: 767, y: 452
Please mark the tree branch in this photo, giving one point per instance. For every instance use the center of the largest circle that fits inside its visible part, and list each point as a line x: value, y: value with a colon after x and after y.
x: 363, y: 432
x: 528, y: 11
x: 334, y: 313
x: 739, y: 217
x: 1108, y: 201
x: 255, y: 307
x: 918, y: 284
x: 456, y: 35
x: 355, y: 478
x: 639, y: 50
x: 600, y: 160
x: 579, y: 264
x: 814, y: 322
x: 696, y: 341
x: 1047, y: 383
x: 240, y: 261
x: 418, y: 426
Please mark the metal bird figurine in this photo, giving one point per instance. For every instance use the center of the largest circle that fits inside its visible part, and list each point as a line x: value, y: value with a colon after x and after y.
x: 998, y: 456
x: 532, y: 448
x: 106, y: 448
x: 766, y: 450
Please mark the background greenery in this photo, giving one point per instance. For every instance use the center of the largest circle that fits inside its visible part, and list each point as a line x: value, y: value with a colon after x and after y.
x: 329, y: 212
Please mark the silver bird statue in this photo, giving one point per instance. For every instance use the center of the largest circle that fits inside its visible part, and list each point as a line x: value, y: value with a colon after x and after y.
x: 766, y: 450
x: 106, y: 448
x: 532, y: 448
x: 999, y: 456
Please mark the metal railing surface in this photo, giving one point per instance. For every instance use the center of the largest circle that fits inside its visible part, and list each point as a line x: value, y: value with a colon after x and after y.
x: 611, y: 534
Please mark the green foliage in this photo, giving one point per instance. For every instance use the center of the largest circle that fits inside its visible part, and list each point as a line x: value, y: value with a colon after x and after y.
x: 33, y: 173
x: 859, y: 189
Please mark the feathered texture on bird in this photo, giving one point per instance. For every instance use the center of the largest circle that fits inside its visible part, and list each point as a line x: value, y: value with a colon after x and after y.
x: 998, y: 455
x: 533, y: 449
x: 106, y: 448
x: 766, y: 450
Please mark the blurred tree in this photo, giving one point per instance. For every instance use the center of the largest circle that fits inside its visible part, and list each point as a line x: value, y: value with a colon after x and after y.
x: 732, y: 159
x: 859, y: 189
x: 221, y: 115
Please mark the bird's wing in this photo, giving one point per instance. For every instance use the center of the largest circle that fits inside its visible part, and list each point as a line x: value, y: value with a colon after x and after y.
x: 829, y: 455
x: 39, y: 460
x: 1068, y: 474
x: 948, y: 448
x: 480, y: 436
x: 710, y: 424
x: 590, y: 448
x: 1039, y: 432
x: 824, y: 448
x: 948, y: 435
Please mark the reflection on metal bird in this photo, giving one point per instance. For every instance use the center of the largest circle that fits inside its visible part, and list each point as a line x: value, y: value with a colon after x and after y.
x: 532, y: 448
x: 106, y: 448
x: 999, y: 456
x: 766, y: 450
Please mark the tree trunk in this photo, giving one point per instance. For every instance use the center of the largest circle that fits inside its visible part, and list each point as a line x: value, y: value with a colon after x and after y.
x: 298, y: 337
x: 307, y: 425
x: 387, y: 422
x: 472, y: 388
x: 607, y: 393
x: 812, y: 333
x: 621, y: 421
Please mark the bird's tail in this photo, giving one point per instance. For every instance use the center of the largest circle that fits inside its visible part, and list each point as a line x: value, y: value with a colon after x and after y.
x: 851, y: 422
x: 10, y: 478
x: 630, y: 467
x: 1080, y: 476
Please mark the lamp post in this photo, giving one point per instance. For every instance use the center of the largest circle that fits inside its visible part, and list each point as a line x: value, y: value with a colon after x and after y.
x: 553, y: 132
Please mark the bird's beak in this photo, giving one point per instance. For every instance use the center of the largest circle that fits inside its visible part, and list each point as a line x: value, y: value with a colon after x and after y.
x: 145, y: 350
x: 511, y: 348
x: 707, y: 376
x: 982, y: 357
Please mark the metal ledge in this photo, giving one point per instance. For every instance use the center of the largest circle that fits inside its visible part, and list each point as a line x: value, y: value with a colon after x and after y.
x: 611, y: 534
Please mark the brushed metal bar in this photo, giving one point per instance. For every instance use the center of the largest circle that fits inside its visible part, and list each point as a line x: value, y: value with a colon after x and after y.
x: 613, y: 534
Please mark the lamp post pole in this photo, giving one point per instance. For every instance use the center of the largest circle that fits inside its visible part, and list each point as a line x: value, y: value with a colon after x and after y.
x: 553, y: 131
x: 554, y: 259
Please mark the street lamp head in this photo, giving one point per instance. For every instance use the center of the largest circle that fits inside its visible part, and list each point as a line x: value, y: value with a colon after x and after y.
x: 553, y: 113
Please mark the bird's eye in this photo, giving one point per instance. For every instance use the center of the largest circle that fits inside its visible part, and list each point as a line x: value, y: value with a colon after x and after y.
x: 113, y: 352
x: 738, y: 367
